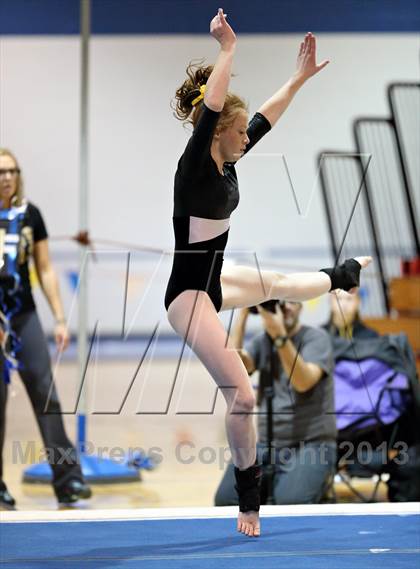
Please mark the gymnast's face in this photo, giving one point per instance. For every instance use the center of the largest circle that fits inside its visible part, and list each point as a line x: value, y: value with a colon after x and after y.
x: 8, y: 180
x: 233, y: 140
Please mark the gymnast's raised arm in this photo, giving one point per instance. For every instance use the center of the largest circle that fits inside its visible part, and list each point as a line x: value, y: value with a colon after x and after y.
x: 306, y: 67
x: 218, y: 82
x: 202, y: 97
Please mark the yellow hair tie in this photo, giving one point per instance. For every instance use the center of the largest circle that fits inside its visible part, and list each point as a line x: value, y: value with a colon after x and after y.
x: 200, y: 96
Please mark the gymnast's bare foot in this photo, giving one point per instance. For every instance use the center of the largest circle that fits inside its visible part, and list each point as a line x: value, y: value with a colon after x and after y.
x: 249, y: 523
x: 364, y: 262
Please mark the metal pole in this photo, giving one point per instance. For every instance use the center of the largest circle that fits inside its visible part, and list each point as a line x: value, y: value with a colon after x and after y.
x: 403, y: 162
x: 82, y: 334
x: 269, y: 396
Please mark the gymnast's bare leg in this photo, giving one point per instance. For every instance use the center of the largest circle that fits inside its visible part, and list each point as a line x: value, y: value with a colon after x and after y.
x: 246, y: 286
x: 193, y: 316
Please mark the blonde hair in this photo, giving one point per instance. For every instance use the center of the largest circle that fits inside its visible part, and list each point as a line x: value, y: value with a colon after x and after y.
x: 185, y: 111
x: 18, y: 198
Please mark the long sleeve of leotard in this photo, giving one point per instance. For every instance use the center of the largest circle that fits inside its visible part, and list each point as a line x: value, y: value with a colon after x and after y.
x: 258, y: 126
x: 198, y: 146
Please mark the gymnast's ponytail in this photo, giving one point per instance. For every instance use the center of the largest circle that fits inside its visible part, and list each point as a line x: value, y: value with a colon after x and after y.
x: 188, y: 101
x: 197, y: 76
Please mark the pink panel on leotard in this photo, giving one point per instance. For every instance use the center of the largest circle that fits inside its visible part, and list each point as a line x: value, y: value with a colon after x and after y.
x: 202, y: 229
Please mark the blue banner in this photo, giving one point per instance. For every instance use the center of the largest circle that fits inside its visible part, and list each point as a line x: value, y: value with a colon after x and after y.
x: 61, y: 17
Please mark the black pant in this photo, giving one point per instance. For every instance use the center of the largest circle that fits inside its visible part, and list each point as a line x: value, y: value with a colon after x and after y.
x: 37, y: 377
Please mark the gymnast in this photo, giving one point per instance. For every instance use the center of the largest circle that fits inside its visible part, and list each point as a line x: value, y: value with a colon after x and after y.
x: 205, y: 194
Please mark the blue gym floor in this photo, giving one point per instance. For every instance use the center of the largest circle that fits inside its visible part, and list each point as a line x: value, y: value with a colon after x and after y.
x: 302, y: 541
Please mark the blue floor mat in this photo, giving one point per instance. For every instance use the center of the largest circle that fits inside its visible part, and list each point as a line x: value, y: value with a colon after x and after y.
x: 338, y: 542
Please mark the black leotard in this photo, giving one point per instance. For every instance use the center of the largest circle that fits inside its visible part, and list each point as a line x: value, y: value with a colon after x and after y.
x: 202, y: 192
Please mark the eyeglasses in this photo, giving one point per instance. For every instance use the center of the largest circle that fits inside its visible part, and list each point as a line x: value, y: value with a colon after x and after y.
x: 11, y: 171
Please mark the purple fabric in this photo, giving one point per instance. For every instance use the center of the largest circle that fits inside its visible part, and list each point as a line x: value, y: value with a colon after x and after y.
x: 358, y: 388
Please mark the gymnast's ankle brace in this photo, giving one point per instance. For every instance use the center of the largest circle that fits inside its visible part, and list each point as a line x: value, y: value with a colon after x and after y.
x: 345, y: 276
x: 248, y: 483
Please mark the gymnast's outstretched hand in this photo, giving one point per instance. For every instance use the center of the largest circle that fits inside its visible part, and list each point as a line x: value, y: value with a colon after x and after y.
x: 221, y: 30
x: 306, y: 64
